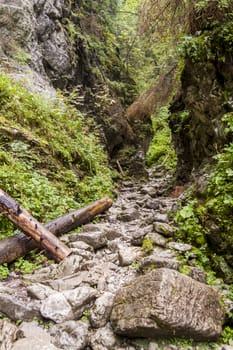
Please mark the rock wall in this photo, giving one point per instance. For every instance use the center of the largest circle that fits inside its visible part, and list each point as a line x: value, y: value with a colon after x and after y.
x: 206, y: 95
x: 34, y: 45
x: 199, y: 133
x: 206, y: 91
x: 46, y: 45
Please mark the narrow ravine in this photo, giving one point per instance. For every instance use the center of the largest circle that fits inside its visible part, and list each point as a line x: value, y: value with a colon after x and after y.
x: 68, y: 306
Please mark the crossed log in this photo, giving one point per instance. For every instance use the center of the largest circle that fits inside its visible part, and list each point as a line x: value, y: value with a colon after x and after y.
x: 44, y: 236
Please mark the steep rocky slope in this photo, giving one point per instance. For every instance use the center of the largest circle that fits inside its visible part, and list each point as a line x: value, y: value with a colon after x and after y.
x: 64, y: 44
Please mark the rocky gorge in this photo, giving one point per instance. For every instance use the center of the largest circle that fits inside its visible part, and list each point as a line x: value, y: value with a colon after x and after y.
x: 121, y: 284
x: 155, y: 271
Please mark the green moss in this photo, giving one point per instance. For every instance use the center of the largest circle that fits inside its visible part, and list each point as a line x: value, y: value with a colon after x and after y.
x: 161, y: 150
x: 147, y: 245
x: 185, y: 269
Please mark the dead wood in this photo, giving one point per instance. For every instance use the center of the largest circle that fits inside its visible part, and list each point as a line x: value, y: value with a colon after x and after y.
x: 19, y: 245
x: 32, y: 228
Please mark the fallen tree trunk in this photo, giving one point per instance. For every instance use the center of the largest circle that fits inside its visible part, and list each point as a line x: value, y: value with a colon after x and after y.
x: 33, y: 228
x: 19, y: 245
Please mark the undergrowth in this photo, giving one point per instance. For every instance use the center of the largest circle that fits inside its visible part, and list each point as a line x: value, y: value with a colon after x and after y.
x: 161, y: 150
x: 199, y: 217
x: 50, y: 162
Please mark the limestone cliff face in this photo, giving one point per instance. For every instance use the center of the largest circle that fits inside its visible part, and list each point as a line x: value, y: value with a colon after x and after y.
x: 198, y: 129
x: 34, y: 45
x: 205, y: 96
x: 43, y: 44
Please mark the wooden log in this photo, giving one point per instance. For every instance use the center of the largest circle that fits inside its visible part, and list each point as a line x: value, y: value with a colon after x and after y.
x: 33, y: 228
x: 19, y: 245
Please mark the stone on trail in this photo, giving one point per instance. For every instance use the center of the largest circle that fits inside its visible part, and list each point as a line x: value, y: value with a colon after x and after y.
x: 80, y: 299
x: 96, y: 239
x: 154, y: 261
x: 156, y: 238
x: 164, y: 229
x: 103, y: 339
x: 128, y: 215
x: 39, y: 291
x: 56, y: 308
x: 8, y: 334
x: 165, y: 303
x: 18, y: 307
x: 33, y: 329
x: 102, y: 309
x: 181, y: 247
x: 32, y: 343
x: 72, y: 335
x: 127, y: 255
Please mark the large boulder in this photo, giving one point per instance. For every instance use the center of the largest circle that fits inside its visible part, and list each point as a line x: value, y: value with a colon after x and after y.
x: 166, y: 303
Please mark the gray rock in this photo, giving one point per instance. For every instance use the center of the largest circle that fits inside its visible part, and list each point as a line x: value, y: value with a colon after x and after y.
x: 56, y: 308
x: 8, y: 334
x: 161, y: 218
x: 72, y: 335
x: 39, y: 291
x: 127, y: 255
x: 69, y: 282
x: 32, y: 329
x: 154, y: 262
x: 103, y: 339
x: 153, y: 346
x: 80, y: 299
x: 17, y: 308
x: 93, y: 227
x: 33, y: 343
x: 68, y: 266
x: 81, y: 246
x: 84, y: 254
x: 138, y: 237
x: 151, y: 204
x: 157, y: 239
x: 166, y: 303
x: 101, y: 311
x: 113, y: 233
x: 96, y: 239
x: 40, y: 276
x: 181, y: 247
x: 197, y: 274
x: 164, y: 229
x: 128, y: 215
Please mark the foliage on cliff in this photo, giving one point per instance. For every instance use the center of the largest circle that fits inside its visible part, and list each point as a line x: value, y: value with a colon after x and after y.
x: 203, y: 112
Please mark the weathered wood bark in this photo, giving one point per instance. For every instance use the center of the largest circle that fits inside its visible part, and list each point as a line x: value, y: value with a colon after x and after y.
x: 33, y: 228
x: 19, y: 245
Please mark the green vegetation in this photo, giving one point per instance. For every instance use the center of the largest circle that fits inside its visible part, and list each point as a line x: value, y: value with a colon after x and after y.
x: 227, y: 335
x: 161, y: 150
x: 147, y: 245
x: 4, y: 271
x: 202, y: 218
x: 49, y: 160
x: 189, y: 219
x: 86, y: 314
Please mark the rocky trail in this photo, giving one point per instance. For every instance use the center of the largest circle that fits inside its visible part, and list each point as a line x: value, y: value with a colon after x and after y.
x: 81, y: 303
